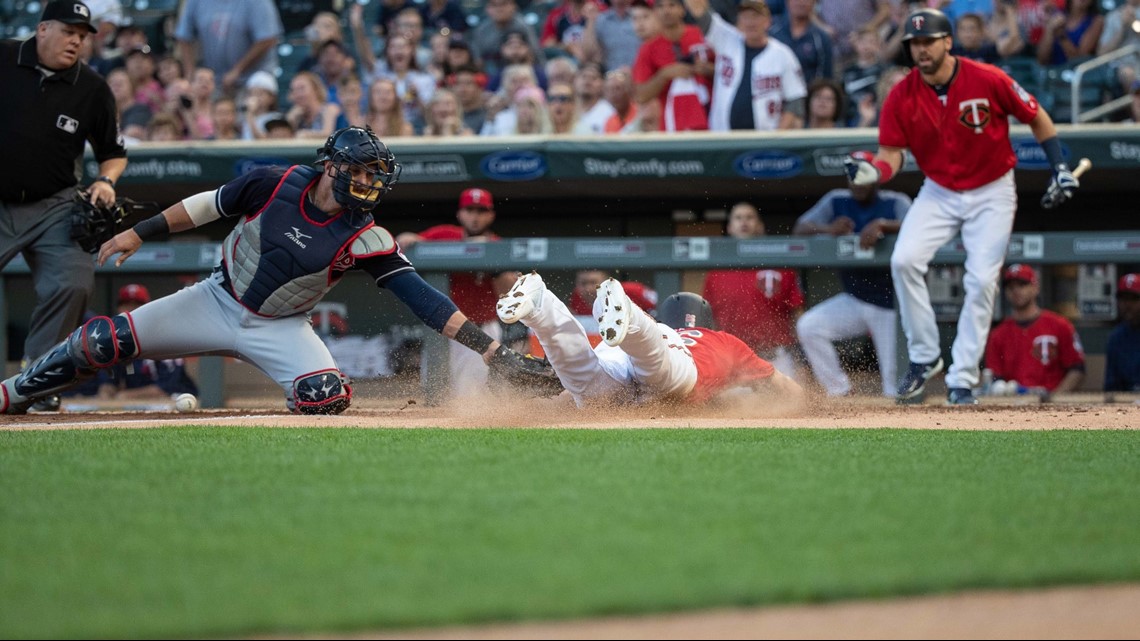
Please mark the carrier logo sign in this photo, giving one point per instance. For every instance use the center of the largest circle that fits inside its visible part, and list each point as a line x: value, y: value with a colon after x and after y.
x: 1031, y: 156
x: 514, y: 165
x: 768, y: 164
x: 67, y: 123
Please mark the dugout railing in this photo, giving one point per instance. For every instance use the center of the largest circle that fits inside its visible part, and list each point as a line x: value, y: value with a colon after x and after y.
x: 666, y: 257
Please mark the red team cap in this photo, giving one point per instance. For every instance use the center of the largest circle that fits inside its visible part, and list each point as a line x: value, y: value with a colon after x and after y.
x: 134, y: 293
x: 476, y: 199
x: 1129, y: 284
x: 1021, y: 272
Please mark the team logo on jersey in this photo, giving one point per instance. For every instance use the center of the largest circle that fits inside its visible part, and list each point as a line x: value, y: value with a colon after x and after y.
x: 1045, y: 348
x: 296, y: 236
x: 974, y: 113
x: 1023, y: 94
x: 67, y: 123
x: 344, y: 261
x: 768, y: 281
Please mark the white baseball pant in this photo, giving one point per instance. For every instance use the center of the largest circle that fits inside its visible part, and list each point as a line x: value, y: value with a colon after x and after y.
x: 984, y: 216
x: 839, y: 318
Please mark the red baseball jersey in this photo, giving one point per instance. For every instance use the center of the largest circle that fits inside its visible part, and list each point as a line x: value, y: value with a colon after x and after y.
x: 756, y: 305
x: 660, y: 52
x: 960, y: 141
x: 472, y: 292
x: 1035, y: 355
x: 723, y: 361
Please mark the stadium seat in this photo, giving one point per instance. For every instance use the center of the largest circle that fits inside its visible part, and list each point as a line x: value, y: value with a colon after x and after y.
x: 1025, y: 70
x: 1058, y: 84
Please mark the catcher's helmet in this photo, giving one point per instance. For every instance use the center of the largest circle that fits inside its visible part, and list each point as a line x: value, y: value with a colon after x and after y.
x: 358, y: 148
x: 927, y: 23
x: 685, y: 309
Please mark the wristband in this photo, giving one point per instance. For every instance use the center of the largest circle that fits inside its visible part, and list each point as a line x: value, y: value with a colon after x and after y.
x: 471, y: 337
x: 154, y: 226
x: 105, y: 179
x: 1052, y: 148
x: 885, y: 171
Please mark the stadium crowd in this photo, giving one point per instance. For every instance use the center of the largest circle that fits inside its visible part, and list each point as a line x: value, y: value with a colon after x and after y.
x: 220, y: 70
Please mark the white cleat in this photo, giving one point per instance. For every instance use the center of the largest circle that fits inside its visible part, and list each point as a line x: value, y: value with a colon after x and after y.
x: 614, y: 314
x: 522, y: 299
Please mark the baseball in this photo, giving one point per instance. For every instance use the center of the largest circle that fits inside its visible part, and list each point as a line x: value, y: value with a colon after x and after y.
x: 186, y: 402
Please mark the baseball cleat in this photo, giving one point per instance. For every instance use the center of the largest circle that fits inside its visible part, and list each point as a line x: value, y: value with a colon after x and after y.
x: 614, y: 313
x: 914, y: 385
x: 960, y: 396
x: 46, y: 404
x: 522, y: 298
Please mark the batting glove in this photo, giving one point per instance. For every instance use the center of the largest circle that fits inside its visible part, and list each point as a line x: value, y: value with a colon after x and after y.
x: 1061, y: 188
x: 860, y: 170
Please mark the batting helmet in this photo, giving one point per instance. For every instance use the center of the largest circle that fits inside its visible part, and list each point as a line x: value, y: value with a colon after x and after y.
x: 927, y: 23
x: 685, y: 309
x: 359, y: 148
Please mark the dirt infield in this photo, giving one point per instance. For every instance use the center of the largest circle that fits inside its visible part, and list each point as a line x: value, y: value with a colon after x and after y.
x: 1094, y: 612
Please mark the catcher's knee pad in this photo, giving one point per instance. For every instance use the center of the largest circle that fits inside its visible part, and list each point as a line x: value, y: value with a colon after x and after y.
x: 125, y: 340
x: 323, y: 392
x: 91, y: 347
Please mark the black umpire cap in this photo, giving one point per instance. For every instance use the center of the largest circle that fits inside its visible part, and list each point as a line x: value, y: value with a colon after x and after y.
x: 927, y: 23
x: 70, y: 12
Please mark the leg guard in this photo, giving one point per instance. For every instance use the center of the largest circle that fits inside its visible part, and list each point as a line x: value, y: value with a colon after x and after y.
x: 323, y: 392
x: 89, y: 348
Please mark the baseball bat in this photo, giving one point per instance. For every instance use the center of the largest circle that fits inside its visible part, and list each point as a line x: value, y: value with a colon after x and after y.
x: 1083, y: 165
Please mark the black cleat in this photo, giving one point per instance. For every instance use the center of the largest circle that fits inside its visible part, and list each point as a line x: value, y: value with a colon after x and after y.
x: 913, y: 387
x: 960, y: 396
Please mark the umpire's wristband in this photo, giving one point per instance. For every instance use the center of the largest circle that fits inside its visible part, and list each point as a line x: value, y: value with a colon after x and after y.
x: 154, y: 226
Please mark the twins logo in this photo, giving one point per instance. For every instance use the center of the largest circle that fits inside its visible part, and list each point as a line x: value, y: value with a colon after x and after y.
x: 1045, y: 348
x: 918, y: 21
x: 768, y: 281
x: 974, y: 113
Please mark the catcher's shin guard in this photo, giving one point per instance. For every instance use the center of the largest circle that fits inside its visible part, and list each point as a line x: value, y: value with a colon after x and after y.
x: 91, y: 347
x: 323, y: 392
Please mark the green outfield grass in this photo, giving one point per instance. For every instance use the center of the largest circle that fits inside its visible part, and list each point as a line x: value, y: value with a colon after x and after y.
x: 209, y: 531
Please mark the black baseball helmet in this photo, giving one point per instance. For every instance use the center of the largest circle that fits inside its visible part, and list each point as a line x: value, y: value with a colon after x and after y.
x: 685, y: 309
x: 927, y: 23
x: 356, y: 147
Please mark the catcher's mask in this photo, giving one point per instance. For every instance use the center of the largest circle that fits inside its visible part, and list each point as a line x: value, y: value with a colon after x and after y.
x: 685, y: 309
x: 362, y: 168
x: 93, y: 225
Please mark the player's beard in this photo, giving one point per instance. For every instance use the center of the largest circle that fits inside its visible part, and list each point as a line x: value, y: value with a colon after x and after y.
x: 931, y: 67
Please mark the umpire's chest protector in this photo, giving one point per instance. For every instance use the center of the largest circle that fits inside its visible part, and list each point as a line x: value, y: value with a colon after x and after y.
x: 281, y: 262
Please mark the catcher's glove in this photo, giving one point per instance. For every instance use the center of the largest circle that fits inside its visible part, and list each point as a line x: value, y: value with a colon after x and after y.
x: 1061, y: 188
x: 528, y: 374
x: 92, y: 225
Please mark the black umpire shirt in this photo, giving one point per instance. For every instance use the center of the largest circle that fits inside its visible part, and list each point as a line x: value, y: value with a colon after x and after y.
x: 45, y: 121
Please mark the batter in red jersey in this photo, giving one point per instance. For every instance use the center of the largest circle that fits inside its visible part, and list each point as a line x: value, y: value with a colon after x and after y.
x: 953, y: 114
x: 472, y: 291
x: 641, y: 359
x: 1034, y: 347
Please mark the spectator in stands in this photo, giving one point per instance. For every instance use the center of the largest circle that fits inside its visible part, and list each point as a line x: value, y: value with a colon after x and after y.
x: 561, y: 69
x: 414, y: 87
x: 475, y: 292
x: 443, y: 115
x: 593, y: 109
x: 467, y: 83
x: 123, y: 91
x: 386, y: 112
x: 568, y: 27
x: 759, y: 84
x: 675, y: 67
x: 971, y: 40
x: 333, y: 65
x: 486, y: 38
x: 514, y: 50
x: 866, y: 305
x: 870, y: 106
x: 278, y: 128
x: 811, y: 44
x: 1037, y: 348
x: 1122, y: 365
x: 312, y: 115
x: 847, y: 17
x: 169, y: 70
x: 862, y: 75
x: 198, y: 114
x: 562, y: 108
x: 759, y: 306
x: 410, y: 24
x: 143, y: 378
x: 324, y: 27
x: 234, y: 39
x: 140, y: 66
x: 586, y: 282
x: 107, y: 16
x: 1032, y: 16
x: 1071, y: 34
x: 258, y: 104
x: 440, y: 15
x: 225, y: 119
x: 531, y: 114
x: 1120, y: 30
x: 501, y: 112
x: 350, y: 95
x: 389, y: 9
x: 645, y: 25
x: 619, y: 93
x: 165, y: 127
x: 826, y: 105
x: 955, y: 9
x: 609, y: 37
x: 458, y: 55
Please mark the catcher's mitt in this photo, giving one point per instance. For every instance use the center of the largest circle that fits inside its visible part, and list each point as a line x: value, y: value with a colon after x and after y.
x: 526, y: 374
x: 93, y: 225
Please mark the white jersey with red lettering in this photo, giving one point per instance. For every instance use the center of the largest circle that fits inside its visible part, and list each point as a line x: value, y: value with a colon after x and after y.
x: 776, y: 77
